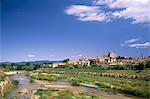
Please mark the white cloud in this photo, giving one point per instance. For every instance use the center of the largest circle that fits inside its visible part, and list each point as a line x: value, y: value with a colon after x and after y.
x: 140, y: 45
x: 132, y: 40
x: 137, y: 10
x: 87, y: 13
x: 103, y: 2
x: 30, y: 56
x: 134, y: 43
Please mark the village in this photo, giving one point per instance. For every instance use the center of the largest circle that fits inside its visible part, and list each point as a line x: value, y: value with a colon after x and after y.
x: 109, y: 59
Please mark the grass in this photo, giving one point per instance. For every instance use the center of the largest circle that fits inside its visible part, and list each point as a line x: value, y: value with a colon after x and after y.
x: 46, y: 77
x: 69, y: 69
x: 63, y: 94
x: 136, y: 87
x: 130, y: 72
x: 1, y: 78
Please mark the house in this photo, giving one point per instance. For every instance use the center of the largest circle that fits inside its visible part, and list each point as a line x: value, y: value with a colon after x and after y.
x: 116, y: 63
x: 84, y: 61
x: 106, y: 59
x: 72, y: 62
x: 56, y: 64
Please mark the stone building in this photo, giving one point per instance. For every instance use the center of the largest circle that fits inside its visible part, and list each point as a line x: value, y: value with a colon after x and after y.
x: 84, y: 61
x: 72, y: 62
x: 106, y: 59
x: 56, y: 64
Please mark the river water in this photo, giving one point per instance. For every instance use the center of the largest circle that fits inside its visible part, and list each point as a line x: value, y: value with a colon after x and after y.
x: 25, y: 83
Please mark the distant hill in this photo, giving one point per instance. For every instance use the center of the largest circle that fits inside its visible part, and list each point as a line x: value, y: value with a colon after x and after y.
x: 33, y: 62
x: 5, y: 62
x: 44, y: 62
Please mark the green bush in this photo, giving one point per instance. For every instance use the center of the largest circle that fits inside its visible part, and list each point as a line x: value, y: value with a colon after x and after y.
x: 45, y: 77
x: 15, y: 82
x: 135, y: 91
x: 101, y: 85
x: 75, y: 83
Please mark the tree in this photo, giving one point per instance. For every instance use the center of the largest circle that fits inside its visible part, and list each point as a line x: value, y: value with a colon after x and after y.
x: 140, y: 66
x: 29, y: 66
x: 14, y: 66
x: 120, y: 57
x: 5, y: 67
x: 66, y: 60
x: 147, y: 64
x: 28, y: 63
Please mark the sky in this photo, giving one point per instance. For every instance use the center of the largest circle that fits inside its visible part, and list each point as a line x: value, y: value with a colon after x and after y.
x: 59, y: 29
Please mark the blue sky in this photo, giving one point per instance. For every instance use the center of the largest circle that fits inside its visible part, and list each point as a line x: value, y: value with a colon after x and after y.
x: 59, y: 29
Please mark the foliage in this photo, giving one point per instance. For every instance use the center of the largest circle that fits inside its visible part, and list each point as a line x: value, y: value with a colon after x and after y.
x: 140, y: 66
x: 135, y: 91
x: 130, y: 86
x: 120, y: 57
x: 66, y: 60
x: 30, y: 66
x: 118, y: 67
x: 75, y: 83
x: 15, y: 82
x: 147, y: 65
x: 45, y: 77
x: 2, y: 78
x: 13, y: 66
x: 63, y: 94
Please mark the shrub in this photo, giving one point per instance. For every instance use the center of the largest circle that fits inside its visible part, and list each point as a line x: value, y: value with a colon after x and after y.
x: 102, y: 85
x: 135, y: 91
x: 118, y: 67
x: 45, y: 77
x: 15, y: 82
x: 75, y: 83
x: 140, y: 66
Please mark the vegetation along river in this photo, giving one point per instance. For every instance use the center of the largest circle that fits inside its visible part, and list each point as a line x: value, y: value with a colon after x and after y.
x: 25, y: 84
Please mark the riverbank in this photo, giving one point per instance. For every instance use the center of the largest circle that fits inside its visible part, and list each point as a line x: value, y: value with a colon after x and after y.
x: 127, y: 85
x: 24, y: 84
x: 6, y: 86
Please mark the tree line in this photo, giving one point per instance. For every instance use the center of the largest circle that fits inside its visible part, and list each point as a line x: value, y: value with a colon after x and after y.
x: 30, y: 66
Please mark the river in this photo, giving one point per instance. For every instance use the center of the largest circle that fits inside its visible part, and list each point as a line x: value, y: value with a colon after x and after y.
x: 25, y: 83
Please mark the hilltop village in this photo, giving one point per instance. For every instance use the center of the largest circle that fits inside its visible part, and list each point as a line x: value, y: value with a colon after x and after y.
x: 109, y: 59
